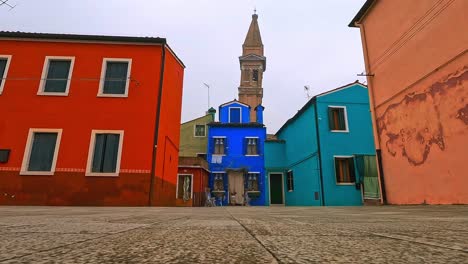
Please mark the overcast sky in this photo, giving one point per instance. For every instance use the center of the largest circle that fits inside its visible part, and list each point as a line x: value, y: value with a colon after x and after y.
x: 306, y: 42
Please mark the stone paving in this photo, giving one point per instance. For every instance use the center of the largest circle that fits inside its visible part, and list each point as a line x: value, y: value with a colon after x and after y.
x: 377, y: 234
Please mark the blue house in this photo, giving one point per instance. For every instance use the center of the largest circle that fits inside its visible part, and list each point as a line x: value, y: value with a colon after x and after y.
x: 236, y: 155
x: 325, y: 154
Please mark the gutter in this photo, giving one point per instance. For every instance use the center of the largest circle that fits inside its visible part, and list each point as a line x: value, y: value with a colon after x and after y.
x: 156, y: 126
x: 319, y: 153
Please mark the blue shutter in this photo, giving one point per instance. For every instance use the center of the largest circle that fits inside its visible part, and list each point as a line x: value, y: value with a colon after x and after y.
x: 3, y: 63
x: 225, y: 146
x: 57, y: 76
x: 115, y: 78
x: 245, y: 146
x: 42, y: 151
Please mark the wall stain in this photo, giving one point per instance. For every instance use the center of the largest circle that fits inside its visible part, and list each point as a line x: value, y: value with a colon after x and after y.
x: 416, y: 123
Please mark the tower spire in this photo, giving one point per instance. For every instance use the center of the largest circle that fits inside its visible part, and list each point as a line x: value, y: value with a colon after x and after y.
x: 253, y: 64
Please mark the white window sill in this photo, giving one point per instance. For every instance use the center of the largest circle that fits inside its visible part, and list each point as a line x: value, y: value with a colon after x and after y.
x: 52, y: 94
x: 252, y: 155
x: 346, y: 183
x: 39, y: 173
x: 340, y: 131
x: 103, y: 174
x: 113, y: 95
x: 218, y: 154
x: 199, y: 136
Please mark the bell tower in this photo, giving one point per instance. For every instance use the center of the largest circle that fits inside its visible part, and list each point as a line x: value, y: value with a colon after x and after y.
x: 252, y: 65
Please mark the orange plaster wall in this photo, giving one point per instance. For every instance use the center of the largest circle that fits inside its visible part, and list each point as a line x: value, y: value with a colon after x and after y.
x: 80, y: 112
x: 417, y: 51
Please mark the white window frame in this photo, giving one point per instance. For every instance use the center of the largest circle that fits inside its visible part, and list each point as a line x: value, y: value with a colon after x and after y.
x: 191, y: 183
x: 89, y: 164
x: 103, y: 76
x: 334, y: 169
x: 345, y: 118
x: 45, y: 70
x: 240, y: 111
x: 258, y: 146
x: 28, y: 148
x: 214, y: 137
x: 195, y: 130
x: 7, y: 66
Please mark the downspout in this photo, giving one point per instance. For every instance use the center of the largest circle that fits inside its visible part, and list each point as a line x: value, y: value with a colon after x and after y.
x: 156, y: 125
x: 319, y: 154
x: 375, y: 129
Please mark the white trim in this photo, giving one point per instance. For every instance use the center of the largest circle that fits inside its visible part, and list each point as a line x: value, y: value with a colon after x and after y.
x: 282, y: 187
x: 7, y: 66
x: 103, y: 76
x: 45, y: 71
x: 191, y: 187
x: 218, y: 172
x: 334, y: 169
x: 252, y: 155
x: 251, y: 137
x: 345, y: 117
x: 258, y: 146
x: 240, y: 114
x: 218, y: 136
x: 195, y: 130
x: 91, y: 153
x: 342, y: 88
x: 28, y: 148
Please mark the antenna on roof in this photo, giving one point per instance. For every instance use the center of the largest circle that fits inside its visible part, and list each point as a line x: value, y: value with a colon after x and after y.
x: 5, y: 2
x: 207, y: 86
x: 307, y: 91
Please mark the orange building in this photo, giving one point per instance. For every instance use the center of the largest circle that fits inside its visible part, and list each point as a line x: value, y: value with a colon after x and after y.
x: 88, y: 120
x: 417, y: 71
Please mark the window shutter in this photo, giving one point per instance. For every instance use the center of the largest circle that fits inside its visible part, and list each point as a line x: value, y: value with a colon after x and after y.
x: 337, y: 170
x: 3, y: 63
x: 57, y: 76
x: 98, y: 156
x: 42, y: 152
x: 352, y: 176
x: 342, y: 119
x: 110, y: 153
x: 330, y: 118
x: 115, y: 77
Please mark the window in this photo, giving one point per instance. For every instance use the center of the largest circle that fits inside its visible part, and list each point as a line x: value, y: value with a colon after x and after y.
x: 218, y: 182
x: 184, y: 187
x: 252, y: 146
x: 115, y: 77
x: 235, y: 115
x: 290, y: 181
x: 219, y: 146
x: 104, y: 155
x: 255, y: 75
x: 337, y: 118
x: 4, y: 65
x: 344, y: 170
x: 252, y: 181
x: 40, y: 155
x: 200, y: 130
x: 56, y: 76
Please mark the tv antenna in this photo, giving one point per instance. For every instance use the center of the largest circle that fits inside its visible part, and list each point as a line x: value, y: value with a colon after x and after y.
x: 208, y: 86
x: 307, y: 91
x: 5, y: 2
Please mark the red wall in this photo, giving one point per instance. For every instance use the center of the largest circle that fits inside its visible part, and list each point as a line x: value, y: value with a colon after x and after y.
x: 200, y: 182
x: 80, y: 112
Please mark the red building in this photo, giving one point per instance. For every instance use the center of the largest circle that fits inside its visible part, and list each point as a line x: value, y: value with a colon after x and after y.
x: 88, y: 120
x: 192, y: 181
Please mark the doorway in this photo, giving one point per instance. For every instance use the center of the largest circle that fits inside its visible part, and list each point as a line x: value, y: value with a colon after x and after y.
x: 236, y: 187
x: 276, y: 188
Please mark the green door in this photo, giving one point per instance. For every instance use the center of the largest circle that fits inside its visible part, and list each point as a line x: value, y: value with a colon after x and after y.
x: 276, y: 188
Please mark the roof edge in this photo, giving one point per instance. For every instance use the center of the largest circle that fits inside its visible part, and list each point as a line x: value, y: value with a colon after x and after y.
x: 362, y: 12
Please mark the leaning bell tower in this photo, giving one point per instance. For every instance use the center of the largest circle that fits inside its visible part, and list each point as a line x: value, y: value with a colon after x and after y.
x: 252, y: 65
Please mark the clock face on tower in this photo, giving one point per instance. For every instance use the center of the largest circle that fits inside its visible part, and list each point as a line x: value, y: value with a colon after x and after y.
x: 252, y: 64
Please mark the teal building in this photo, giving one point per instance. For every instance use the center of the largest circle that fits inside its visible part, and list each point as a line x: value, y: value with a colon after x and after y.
x: 325, y: 154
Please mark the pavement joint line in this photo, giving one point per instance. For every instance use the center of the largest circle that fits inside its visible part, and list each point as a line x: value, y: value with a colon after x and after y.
x: 89, y: 239
x: 254, y: 237
x: 415, y: 240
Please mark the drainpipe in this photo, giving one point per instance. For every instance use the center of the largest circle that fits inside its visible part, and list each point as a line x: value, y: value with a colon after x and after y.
x: 319, y: 154
x: 373, y: 115
x: 156, y: 125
